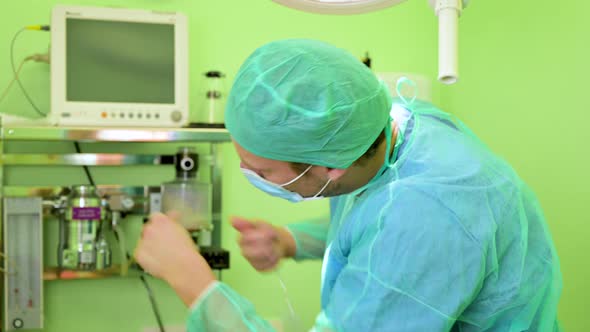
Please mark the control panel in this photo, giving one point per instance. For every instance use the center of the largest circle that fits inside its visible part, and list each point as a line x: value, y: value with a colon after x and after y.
x: 118, y: 117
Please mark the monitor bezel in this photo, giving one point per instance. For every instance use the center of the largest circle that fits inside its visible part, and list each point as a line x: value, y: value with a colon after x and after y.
x: 64, y: 112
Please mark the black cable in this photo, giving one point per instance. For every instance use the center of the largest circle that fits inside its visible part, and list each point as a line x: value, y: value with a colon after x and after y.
x: 149, y: 290
x: 86, y: 170
x: 153, y: 301
x: 16, y: 76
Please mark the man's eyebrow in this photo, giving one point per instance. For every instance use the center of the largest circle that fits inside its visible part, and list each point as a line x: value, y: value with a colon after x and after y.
x: 254, y: 168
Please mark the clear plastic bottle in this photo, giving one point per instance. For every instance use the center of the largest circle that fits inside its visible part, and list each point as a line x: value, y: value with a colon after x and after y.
x: 191, y: 199
x: 215, y: 96
x: 188, y: 196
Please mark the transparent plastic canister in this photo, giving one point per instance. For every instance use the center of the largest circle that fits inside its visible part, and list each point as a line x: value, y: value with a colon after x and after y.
x: 191, y: 199
x: 215, y: 96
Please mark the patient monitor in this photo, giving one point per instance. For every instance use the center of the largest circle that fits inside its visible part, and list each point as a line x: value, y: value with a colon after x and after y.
x: 118, y: 67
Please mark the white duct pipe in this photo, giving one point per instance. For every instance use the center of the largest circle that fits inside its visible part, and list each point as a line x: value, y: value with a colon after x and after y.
x: 448, y: 12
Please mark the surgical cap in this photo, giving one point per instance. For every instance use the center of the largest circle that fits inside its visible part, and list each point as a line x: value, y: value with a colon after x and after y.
x: 306, y: 101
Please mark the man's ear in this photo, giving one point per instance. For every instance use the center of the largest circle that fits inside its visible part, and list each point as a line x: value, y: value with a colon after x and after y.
x: 336, y: 173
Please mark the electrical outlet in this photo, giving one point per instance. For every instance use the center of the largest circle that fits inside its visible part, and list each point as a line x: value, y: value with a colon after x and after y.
x: 167, y: 328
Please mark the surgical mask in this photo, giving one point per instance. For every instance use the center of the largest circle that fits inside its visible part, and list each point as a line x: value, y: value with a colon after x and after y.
x: 278, y: 190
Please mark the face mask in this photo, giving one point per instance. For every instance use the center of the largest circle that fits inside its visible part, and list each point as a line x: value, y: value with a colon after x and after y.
x: 278, y: 190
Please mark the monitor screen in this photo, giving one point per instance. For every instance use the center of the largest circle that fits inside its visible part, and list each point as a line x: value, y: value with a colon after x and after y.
x: 119, y: 62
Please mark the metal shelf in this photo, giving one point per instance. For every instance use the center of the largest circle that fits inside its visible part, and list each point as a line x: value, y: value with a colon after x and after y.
x: 85, y: 159
x: 54, y: 273
x: 210, y: 135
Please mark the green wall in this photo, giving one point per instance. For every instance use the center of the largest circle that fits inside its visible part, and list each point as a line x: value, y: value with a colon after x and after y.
x: 524, y: 90
x: 522, y: 70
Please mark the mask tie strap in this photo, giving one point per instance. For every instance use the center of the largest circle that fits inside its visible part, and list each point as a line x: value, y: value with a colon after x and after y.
x: 297, y: 177
x: 323, y: 188
x: 398, y: 89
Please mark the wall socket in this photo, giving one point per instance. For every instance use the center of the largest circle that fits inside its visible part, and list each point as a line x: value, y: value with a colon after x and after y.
x: 168, y: 328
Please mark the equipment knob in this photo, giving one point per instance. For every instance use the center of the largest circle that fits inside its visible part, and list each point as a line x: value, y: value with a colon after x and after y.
x: 176, y: 116
x: 18, y: 323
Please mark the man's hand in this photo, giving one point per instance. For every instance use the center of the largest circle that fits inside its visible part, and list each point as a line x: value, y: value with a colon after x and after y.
x: 166, y: 251
x: 263, y: 244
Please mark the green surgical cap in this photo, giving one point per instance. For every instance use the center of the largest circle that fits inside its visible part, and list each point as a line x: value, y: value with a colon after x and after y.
x: 306, y: 101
